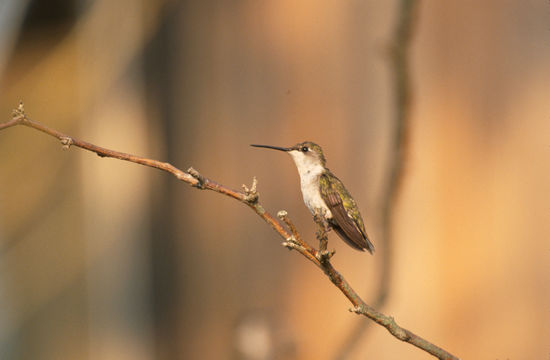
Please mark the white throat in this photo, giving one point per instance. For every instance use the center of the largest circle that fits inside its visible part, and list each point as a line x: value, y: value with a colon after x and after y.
x: 308, y: 166
x: 310, y: 170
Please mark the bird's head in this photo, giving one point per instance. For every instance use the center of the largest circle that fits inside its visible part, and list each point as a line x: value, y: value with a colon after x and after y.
x: 307, y: 156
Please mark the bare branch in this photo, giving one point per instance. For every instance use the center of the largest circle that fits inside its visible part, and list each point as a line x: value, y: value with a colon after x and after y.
x: 322, y: 229
x: 292, y: 240
x: 295, y: 242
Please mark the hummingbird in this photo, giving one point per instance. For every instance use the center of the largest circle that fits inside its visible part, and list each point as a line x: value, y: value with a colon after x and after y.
x: 325, y: 194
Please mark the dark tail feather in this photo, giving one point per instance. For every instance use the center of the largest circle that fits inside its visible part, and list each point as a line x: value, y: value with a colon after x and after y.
x: 370, y: 246
x: 363, y: 245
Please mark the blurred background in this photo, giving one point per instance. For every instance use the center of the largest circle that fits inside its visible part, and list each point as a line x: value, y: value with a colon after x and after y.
x: 102, y: 259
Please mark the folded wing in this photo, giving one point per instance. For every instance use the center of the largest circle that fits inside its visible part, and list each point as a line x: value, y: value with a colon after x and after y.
x: 346, y: 221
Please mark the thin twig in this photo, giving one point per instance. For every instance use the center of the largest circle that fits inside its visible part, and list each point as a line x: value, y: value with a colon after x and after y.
x: 295, y: 242
x: 322, y: 229
x: 249, y: 197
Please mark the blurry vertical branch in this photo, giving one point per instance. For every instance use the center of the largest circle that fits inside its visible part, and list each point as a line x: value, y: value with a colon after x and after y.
x: 399, y: 57
x: 398, y: 152
x: 249, y: 196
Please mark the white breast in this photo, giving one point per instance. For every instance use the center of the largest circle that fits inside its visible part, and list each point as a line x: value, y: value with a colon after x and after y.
x: 310, y: 172
x: 312, y: 197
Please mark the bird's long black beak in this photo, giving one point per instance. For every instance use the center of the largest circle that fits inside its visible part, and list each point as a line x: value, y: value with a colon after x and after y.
x: 271, y: 147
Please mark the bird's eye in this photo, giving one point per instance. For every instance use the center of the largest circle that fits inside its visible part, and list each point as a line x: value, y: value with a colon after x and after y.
x: 304, y: 149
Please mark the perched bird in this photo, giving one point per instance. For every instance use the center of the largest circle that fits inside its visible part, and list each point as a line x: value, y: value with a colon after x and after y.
x: 323, y: 192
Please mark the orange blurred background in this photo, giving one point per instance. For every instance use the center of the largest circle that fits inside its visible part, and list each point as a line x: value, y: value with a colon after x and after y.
x: 103, y: 259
